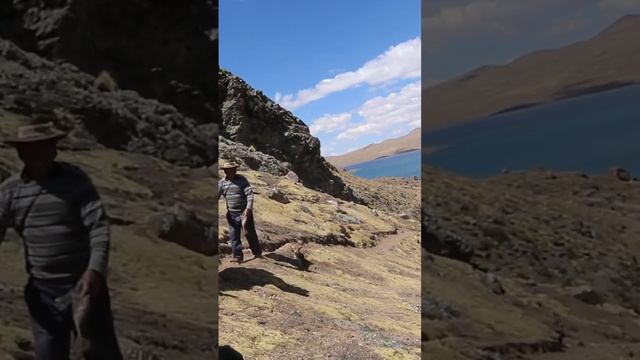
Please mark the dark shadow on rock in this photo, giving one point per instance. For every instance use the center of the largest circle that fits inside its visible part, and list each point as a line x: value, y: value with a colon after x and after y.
x: 238, y: 278
x: 285, y: 259
x: 226, y: 352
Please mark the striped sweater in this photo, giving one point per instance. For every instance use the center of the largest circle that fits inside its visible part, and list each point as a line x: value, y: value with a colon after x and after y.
x: 66, y: 230
x: 237, y: 193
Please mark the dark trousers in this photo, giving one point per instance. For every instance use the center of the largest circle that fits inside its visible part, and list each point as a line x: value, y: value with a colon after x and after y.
x: 49, y: 305
x: 235, y: 229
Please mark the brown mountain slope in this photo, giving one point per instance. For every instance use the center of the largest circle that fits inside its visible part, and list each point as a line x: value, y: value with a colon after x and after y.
x: 389, y: 147
x: 610, y: 59
x: 534, y: 265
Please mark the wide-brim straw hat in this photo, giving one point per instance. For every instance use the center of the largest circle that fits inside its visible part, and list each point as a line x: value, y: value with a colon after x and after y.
x: 34, y: 133
x: 229, y: 165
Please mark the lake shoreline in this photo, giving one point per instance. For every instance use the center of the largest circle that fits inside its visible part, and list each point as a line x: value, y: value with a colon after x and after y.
x: 589, y: 134
x: 390, y: 155
x: 406, y: 164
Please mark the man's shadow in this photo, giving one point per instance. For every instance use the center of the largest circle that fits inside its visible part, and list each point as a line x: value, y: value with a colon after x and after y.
x: 287, y: 260
x: 240, y: 278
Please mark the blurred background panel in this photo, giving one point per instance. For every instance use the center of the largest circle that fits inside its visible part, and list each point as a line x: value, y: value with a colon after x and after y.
x: 529, y: 194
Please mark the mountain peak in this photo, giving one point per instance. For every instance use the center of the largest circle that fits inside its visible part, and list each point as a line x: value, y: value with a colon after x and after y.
x: 408, y: 142
x: 623, y: 23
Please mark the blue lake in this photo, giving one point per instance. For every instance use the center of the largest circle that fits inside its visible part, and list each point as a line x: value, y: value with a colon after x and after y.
x: 590, y: 133
x: 400, y: 165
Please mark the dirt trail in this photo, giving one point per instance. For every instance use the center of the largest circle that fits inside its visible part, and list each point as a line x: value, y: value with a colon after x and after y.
x: 388, y: 242
x: 353, y: 303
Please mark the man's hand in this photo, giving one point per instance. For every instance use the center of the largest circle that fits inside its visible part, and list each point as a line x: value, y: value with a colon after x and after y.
x: 90, y: 283
x: 246, y: 212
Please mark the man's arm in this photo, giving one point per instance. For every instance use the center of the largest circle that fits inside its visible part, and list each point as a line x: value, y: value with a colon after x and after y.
x: 95, y: 220
x: 248, y: 193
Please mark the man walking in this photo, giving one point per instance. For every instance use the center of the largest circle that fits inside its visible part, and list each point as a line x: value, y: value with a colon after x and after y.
x: 238, y: 195
x: 55, y: 208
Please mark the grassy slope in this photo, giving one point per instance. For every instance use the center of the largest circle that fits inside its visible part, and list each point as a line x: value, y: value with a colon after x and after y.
x: 357, y: 302
x: 540, y: 262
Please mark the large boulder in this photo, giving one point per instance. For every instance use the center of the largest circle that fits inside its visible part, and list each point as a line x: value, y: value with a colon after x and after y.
x: 251, y: 158
x: 251, y: 118
x: 277, y: 195
x: 181, y: 225
x: 293, y: 177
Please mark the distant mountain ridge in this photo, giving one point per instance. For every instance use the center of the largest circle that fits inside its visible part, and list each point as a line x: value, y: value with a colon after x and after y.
x: 389, y: 147
x: 609, y: 60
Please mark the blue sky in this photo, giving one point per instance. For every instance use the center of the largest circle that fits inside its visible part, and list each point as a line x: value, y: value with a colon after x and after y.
x: 349, y: 69
x: 461, y: 35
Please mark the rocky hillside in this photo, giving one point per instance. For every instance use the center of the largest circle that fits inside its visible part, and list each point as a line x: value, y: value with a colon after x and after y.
x: 256, y: 128
x: 147, y: 148
x: 118, y: 119
x: 534, y: 265
x: 610, y: 59
x: 164, y: 50
x: 357, y: 237
x: 277, y: 308
x: 389, y: 147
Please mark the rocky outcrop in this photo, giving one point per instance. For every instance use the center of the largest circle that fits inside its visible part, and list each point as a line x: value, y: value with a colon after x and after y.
x: 254, y: 160
x: 181, y: 222
x: 164, y: 50
x: 277, y: 195
x: 122, y: 119
x: 250, y: 118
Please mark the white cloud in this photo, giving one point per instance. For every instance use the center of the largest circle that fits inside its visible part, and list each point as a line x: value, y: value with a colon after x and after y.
x: 328, y: 150
x: 415, y: 124
x: 624, y: 5
x: 399, y: 62
x: 386, y: 114
x: 329, y: 123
